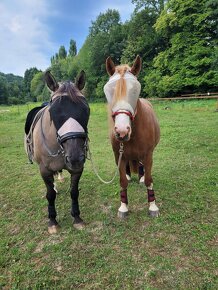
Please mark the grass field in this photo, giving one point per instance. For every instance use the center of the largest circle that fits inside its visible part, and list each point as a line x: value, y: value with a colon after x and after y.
x: 178, y: 250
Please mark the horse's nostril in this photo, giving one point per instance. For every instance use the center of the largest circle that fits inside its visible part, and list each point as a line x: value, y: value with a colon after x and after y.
x: 128, y: 128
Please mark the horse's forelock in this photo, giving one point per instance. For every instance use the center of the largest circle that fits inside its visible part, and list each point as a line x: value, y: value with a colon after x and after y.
x: 120, y: 88
x: 122, y: 69
x: 69, y: 89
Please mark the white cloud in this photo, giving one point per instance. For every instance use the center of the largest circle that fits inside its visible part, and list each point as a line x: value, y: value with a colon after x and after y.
x: 24, y: 36
x: 28, y: 39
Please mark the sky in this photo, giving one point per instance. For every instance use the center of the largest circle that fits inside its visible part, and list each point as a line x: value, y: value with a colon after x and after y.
x: 31, y: 31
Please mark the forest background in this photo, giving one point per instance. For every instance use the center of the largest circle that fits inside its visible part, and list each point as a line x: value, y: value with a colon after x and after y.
x: 177, y: 40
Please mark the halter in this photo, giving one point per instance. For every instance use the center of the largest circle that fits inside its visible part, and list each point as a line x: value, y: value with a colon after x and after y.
x: 128, y: 113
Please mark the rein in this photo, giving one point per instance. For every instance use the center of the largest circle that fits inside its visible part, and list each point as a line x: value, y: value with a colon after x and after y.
x: 51, y: 154
x: 121, y: 151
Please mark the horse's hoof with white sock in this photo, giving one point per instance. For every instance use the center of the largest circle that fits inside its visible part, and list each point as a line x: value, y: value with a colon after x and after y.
x: 153, y: 210
x: 122, y: 215
x: 122, y: 211
x: 154, y: 213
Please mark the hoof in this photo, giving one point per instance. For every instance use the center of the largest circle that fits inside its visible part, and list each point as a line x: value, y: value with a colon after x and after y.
x: 153, y: 213
x: 53, y: 229
x: 79, y: 226
x: 122, y: 215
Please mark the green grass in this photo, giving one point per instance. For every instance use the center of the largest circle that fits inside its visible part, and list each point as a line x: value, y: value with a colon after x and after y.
x: 178, y: 250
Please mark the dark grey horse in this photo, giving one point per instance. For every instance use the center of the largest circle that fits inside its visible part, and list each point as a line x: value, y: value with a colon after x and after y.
x: 59, y: 141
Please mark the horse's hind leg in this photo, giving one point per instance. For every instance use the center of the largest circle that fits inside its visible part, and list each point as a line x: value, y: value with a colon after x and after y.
x: 141, y: 173
x: 153, y: 209
x: 75, y: 212
x: 51, y: 196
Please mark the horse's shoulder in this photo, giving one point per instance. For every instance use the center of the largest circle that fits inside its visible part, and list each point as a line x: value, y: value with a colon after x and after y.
x: 145, y: 103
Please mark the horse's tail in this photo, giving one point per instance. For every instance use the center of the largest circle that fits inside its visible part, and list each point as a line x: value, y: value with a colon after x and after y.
x: 134, y: 166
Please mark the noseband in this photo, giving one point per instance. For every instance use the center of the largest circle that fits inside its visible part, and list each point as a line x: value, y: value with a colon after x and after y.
x: 73, y: 135
x: 128, y: 113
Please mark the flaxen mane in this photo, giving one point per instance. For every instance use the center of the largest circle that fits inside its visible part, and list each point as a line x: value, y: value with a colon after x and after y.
x: 120, y: 89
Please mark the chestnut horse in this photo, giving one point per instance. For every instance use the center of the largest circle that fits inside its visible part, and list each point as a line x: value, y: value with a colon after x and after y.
x: 134, y: 127
x: 58, y: 140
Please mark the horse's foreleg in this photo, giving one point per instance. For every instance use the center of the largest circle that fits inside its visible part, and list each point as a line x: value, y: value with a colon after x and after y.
x: 128, y: 172
x: 123, y: 210
x: 51, y: 196
x: 153, y: 209
x: 75, y: 212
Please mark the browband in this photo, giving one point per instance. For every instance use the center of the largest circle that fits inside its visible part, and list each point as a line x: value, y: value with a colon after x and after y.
x: 71, y: 135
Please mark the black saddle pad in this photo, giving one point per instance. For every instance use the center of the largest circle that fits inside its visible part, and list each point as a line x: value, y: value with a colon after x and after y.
x: 30, y: 117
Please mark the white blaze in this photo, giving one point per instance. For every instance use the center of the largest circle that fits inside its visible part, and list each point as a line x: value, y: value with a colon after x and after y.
x: 122, y: 125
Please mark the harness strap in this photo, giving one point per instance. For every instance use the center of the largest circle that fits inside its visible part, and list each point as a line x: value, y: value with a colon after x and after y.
x: 51, y: 154
x: 29, y: 137
x: 71, y: 135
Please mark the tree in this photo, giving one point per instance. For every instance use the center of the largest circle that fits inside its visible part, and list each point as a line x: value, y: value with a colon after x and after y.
x: 72, y: 49
x: 104, y: 22
x: 105, y: 38
x: 3, y: 90
x: 156, y: 5
x: 37, y: 86
x: 28, y: 76
x: 62, y: 53
x: 186, y: 64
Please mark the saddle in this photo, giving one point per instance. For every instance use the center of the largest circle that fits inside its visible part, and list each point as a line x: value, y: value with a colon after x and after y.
x: 32, y: 118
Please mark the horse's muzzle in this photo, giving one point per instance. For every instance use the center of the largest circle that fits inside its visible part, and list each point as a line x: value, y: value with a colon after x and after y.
x: 75, y: 164
x: 122, y: 139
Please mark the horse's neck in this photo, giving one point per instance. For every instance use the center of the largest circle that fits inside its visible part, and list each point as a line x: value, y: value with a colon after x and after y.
x: 141, y: 117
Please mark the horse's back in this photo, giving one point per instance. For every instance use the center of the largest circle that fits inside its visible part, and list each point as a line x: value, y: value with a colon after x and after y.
x: 30, y: 117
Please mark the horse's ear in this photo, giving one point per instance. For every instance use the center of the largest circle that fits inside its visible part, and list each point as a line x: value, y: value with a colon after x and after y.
x: 50, y: 81
x: 81, y: 80
x: 110, y: 67
x: 135, y: 69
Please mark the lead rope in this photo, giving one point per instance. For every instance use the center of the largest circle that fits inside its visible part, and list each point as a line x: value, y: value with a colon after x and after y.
x: 121, y: 150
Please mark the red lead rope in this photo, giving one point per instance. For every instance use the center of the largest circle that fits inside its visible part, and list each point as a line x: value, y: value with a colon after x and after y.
x: 123, y: 112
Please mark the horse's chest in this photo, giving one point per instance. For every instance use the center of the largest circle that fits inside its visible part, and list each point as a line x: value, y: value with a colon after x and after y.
x: 132, y: 150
